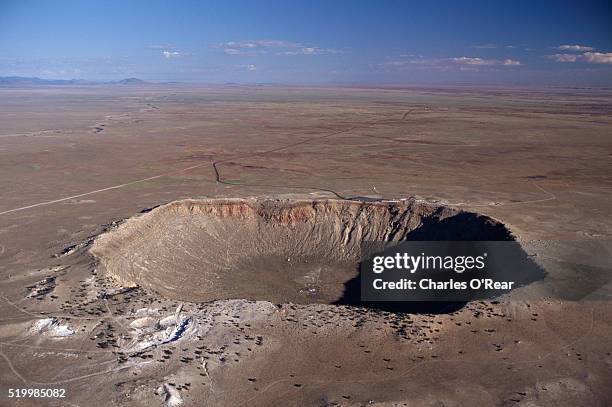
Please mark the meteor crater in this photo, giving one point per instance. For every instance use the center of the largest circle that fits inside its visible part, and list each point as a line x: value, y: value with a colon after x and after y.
x: 301, y: 251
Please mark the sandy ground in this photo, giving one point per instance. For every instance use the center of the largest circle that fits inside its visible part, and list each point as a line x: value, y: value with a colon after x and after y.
x: 75, y: 161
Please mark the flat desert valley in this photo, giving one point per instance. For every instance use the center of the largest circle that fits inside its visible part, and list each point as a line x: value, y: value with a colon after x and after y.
x: 165, y: 245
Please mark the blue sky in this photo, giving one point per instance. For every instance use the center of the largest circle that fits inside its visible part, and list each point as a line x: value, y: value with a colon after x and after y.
x: 396, y: 42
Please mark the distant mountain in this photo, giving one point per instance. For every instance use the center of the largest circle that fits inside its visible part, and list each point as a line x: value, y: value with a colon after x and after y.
x: 33, y: 81
x: 130, y: 81
x: 19, y: 80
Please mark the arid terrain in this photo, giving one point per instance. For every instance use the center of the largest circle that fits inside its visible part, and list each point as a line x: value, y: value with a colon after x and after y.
x: 120, y: 312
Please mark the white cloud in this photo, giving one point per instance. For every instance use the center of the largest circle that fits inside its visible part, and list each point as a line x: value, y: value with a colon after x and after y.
x: 485, y: 46
x: 247, y: 67
x: 598, y: 57
x: 251, y: 48
x: 278, y: 47
x: 511, y: 62
x: 258, y: 44
x: 276, y: 44
x: 485, y: 62
x: 564, y: 57
x: 237, y: 51
x: 463, y: 62
x: 588, y: 57
x: 171, y: 54
x: 577, y: 48
x: 473, y: 61
x: 398, y: 63
x: 309, y: 51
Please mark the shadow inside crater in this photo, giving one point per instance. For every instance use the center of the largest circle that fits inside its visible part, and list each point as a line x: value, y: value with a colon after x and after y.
x: 464, y: 226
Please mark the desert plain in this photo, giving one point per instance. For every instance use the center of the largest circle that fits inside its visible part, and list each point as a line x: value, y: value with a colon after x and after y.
x: 80, y: 165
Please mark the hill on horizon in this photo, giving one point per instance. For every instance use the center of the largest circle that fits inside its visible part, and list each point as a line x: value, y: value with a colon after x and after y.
x: 22, y: 80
